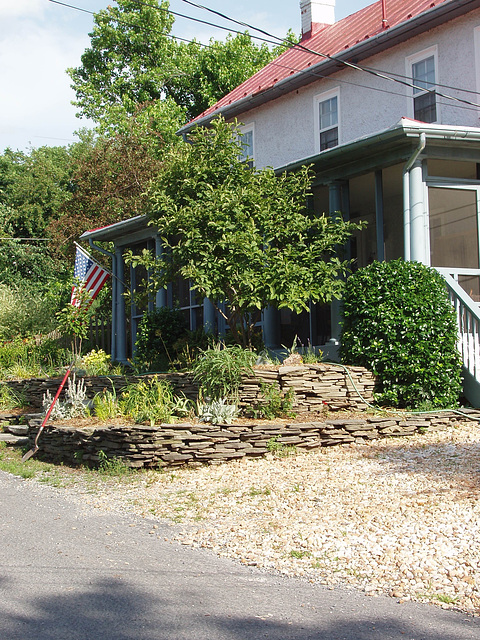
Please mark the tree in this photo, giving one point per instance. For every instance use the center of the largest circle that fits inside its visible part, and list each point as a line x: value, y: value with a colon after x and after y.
x: 134, y: 61
x: 129, y: 61
x: 34, y: 186
x: 207, y: 73
x: 108, y: 184
x: 241, y: 235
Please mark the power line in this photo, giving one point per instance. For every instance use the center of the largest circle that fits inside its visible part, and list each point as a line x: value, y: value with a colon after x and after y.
x: 174, y: 13
x: 378, y: 74
x: 396, y: 78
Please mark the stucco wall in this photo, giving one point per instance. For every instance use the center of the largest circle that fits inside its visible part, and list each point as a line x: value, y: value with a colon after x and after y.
x: 284, y: 128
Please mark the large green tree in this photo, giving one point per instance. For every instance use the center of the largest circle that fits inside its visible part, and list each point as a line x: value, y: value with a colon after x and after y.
x: 242, y: 235
x: 34, y: 186
x: 129, y: 61
x: 133, y: 62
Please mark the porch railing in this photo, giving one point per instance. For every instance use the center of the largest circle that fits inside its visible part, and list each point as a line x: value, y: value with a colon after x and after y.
x: 99, y: 334
x: 468, y: 322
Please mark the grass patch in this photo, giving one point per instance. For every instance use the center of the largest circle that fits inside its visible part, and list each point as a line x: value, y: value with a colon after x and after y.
x: 299, y: 554
x: 280, y: 449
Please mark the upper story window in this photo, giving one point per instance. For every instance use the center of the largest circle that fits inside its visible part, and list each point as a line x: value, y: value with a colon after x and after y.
x: 327, y: 120
x: 247, y: 144
x: 423, y: 73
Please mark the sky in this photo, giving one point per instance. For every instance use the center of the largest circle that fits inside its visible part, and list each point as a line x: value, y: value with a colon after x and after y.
x: 40, y: 39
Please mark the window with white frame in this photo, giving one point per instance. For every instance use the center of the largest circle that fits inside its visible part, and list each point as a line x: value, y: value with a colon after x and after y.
x: 423, y: 73
x: 246, y: 138
x: 327, y: 120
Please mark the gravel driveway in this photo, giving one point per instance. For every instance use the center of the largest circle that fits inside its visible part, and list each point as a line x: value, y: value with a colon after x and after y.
x: 398, y: 516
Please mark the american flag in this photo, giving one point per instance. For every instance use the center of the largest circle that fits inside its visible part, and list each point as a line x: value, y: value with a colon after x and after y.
x: 90, y: 274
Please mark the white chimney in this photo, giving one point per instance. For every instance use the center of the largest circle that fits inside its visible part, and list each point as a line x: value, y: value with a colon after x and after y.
x: 316, y: 15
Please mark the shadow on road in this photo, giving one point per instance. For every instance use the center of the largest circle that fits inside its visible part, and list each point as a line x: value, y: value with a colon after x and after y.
x: 113, y: 609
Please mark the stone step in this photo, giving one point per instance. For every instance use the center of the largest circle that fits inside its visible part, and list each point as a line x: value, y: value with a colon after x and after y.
x: 11, y: 439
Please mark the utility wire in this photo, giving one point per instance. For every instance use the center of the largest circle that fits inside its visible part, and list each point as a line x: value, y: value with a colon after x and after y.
x: 278, y: 41
x: 178, y: 15
x: 378, y: 74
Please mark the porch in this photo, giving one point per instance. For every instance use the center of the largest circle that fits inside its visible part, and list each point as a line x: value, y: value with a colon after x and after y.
x: 416, y: 185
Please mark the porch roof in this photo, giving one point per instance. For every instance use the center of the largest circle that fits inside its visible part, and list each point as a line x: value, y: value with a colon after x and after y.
x: 118, y: 230
x: 390, y: 146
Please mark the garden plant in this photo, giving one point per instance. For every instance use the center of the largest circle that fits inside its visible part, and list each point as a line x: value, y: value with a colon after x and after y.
x: 399, y: 323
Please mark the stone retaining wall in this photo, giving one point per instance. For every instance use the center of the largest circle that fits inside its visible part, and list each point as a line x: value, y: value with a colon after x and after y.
x: 178, y: 444
x: 316, y: 386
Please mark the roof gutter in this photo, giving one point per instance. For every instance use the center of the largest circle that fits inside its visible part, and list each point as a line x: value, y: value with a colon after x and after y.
x: 404, y: 129
x: 366, y: 48
x: 115, y: 229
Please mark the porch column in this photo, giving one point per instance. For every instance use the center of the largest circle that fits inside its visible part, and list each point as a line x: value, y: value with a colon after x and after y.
x: 418, y: 215
x: 271, y: 327
x: 208, y: 316
x: 161, y: 295
x: 113, y: 338
x: 379, y: 215
x: 120, y: 324
x: 335, y: 206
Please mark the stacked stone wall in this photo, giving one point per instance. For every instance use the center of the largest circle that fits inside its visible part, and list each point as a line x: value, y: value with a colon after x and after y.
x: 316, y: 386
x: 178, y: 444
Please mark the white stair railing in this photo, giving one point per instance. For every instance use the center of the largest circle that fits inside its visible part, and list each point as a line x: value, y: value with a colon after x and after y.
x: 468, y: 318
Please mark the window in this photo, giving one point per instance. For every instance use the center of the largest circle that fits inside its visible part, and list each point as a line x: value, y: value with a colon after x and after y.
x: 247, y: 143
x: 422, y: 71
x: 326, y: 120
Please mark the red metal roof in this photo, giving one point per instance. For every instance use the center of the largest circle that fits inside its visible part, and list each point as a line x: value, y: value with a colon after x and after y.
x: 330, y: 40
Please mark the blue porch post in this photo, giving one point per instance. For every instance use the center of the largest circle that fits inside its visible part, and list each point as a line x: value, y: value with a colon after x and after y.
x: 120, y: 323
x: 335, y: 206
x: 208, y: 316
x: 113, y: 338
x: 161, y: 295
x: 271, y: 327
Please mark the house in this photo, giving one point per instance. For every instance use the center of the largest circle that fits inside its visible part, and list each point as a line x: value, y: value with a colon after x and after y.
x: 385, y: 106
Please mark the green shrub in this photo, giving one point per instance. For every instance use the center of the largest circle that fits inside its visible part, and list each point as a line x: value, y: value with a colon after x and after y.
x: 274, y: 403
x: 399, y: 323
x: 96, y: 363
x: 29, y: 358
x: 149, y: 401
x: 219, y: 371
x: 158, y: 331
x: 25, y: 312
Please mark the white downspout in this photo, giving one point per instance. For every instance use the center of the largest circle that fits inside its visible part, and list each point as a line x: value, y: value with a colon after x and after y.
x: 406, y: 194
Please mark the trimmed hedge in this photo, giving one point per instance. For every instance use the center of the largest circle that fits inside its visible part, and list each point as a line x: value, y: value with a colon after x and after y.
x: 399, y: 323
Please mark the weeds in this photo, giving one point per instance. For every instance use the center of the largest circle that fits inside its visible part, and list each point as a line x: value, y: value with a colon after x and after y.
x: 256, y: 491
x: 9, y: 399
x: 275, y: 404
x: 295, y: 553
x: 280, y: 449
x: 112, y: 466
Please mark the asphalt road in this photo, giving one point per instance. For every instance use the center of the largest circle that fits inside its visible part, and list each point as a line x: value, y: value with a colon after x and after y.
x: 74, y: 573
